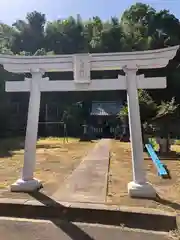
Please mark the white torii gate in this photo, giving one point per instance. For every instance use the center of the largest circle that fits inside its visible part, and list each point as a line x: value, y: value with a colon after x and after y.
x: 81, y: 65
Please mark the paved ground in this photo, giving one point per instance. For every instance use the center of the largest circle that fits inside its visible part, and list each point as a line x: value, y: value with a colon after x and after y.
x: 13, y: 229
x: 88, y: 182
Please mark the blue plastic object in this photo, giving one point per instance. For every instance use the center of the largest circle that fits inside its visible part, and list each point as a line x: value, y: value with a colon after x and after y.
x: 158, y: 164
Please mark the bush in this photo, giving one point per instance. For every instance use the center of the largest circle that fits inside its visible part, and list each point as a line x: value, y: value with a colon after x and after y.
x: 154, y: 144
x: 177, y: 142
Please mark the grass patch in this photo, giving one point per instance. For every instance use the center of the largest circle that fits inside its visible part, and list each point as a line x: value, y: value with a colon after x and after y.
x: 56, y: 139
x: 54, y: 159
x: 120, y: 175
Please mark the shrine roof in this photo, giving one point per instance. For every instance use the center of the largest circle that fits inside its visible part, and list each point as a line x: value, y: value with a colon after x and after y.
x: 103, y: 108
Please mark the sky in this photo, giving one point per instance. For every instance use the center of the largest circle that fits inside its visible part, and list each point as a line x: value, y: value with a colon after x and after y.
x: 12, y: 10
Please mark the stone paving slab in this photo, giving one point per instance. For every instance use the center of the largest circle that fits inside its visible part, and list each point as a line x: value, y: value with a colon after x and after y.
x: 90, y: 206
x: 55, y: 230
x: 88, y: 182
x: 81, y: 205
x: 47, y: 208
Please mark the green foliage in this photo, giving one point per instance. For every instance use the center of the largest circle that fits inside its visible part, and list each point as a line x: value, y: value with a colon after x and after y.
x: 166, y: 113
x: 177, y: 142
x: 167, y: 108
x: 141, y: 27
x: 154, y: 144
x: 160, y: 114
x: 148, y: 107
x: 123, y: 112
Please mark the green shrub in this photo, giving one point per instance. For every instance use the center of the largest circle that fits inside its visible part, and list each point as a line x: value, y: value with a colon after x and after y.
x: 177, y: 142
x: 154, y: 144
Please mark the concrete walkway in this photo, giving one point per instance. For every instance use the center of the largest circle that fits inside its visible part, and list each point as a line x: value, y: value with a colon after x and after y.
x: 88, y: 182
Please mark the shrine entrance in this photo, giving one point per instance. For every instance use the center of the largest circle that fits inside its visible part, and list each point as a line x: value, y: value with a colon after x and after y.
x: 82, y: 65
x: 103, y: 118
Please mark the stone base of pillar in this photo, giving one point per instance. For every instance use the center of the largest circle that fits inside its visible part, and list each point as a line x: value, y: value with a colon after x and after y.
x: 26, y: 186
x: 145, y: 190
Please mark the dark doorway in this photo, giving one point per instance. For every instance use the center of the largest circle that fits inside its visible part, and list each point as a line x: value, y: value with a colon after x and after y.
x: 106, y: 129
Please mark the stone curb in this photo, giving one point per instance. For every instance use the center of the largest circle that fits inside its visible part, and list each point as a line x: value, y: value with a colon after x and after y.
x: 131, y: 217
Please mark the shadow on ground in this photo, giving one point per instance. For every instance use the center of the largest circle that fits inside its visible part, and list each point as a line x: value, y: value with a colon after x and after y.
x: 73, y: 231
x: 8, y: 145
x: 56, y: 212
x: 107, y: 217
x: 173, y: 205
x: 173, y: 156
x: 69, y: 228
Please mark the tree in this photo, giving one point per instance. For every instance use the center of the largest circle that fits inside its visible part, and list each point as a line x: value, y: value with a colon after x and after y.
x: 5, y: 106
x: 148, y: 107
x: 65, y: 36
x: 29, y: 34
x: 141, y: 27
x: 160, y: 115
x: 167, y: 112
x: 145, y: 28
x: 137, y: 24
x: 6, y: 39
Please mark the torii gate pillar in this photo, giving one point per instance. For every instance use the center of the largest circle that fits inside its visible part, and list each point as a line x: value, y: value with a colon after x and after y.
x: 139, y: 187
x: 27, y: 181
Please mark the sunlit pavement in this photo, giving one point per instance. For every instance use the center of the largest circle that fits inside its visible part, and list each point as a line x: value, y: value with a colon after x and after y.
x: 23, y: 229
